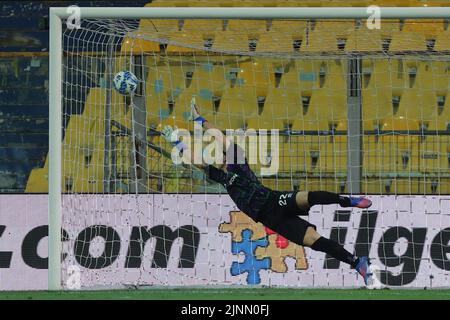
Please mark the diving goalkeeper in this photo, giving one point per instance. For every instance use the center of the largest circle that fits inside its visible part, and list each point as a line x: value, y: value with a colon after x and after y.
x: 276, y: 210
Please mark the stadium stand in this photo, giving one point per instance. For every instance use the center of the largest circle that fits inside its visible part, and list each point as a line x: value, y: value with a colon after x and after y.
x: 316, y: 104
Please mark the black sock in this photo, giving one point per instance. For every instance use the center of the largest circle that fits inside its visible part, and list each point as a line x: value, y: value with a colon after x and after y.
x: 325, y: 197
x: 335, y: 250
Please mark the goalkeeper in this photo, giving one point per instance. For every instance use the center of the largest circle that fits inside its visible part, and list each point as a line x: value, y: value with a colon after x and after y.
x: 276, y: 210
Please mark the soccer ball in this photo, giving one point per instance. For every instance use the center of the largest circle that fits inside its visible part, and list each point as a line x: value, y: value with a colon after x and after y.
x: 125, y: 82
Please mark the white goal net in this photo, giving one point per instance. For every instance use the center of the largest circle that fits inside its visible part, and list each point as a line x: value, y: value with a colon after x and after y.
x: 358, y: 111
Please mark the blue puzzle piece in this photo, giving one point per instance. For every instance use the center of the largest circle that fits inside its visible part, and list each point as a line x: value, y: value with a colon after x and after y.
x: 251, y: 265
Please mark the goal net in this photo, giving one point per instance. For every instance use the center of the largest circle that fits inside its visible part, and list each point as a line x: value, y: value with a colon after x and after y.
x: 357, y: 110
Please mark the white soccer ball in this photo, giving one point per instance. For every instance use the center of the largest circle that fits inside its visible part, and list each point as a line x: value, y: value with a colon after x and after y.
x: 125, y: 82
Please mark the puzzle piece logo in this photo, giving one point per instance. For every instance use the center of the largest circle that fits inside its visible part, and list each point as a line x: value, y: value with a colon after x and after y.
x: 251, y: 265
x: 263, y: 248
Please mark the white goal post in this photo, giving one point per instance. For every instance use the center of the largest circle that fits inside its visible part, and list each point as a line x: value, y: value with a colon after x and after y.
x: 57, y: 20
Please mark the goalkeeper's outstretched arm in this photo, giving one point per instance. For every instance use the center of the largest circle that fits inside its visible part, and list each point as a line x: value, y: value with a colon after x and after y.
x: 197, y: 118
x: 171, y: 135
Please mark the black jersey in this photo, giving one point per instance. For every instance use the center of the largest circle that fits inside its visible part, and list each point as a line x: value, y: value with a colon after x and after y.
x: 244, y: 188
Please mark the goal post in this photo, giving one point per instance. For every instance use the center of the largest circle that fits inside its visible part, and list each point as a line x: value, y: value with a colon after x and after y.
x: 57, y: 20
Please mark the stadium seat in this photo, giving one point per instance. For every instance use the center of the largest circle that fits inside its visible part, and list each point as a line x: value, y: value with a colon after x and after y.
x: 210, y: 78
x: 437, y: 76
x: 225, y: 121
x: 430, y: 155
x: 247, y: 27
x: 302, y: 77
x: 388, y: 27
x: 283, y: 104
x: 377, y: 95
x: 267, y: 123
x: 404, y: 41
x: 326, y: 35
x: 184, y: 41
x: 240, y: 101
x: 205, y: 27
x: 419, y: 105
x: 334, y: 155
x: 276, y: 42
x: 159, y: 25
x: 95, y: 104
x: 231, y: 41
x: 327, y: 107
x: 363, y: 40
x: 294, y: 28
x: 256, y: 74
x: 337, y: 26
x: 320, y: 41
x: 443, y: 41
x: 37, y: 181
x: 133, y: 44
x: 371, y: 160
x: 429, y: 28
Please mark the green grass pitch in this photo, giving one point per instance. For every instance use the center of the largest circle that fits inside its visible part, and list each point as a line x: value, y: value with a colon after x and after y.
x: 231, y: 294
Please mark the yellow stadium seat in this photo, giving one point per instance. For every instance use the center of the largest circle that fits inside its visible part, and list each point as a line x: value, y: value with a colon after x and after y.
x: 210, y: 77
x: 388, y: 27
x: 320, y: 41
x: 82, y: 131
x: 257, y: 74
x: 184, y: 41
x: 429, y: 28
x: 231, y: 41
x: 443, y: 41
x: 436, y: 78
x: 326, y: 35
x: 208, y: 26
x: 335, y: 154
x: 404, y: 41
x: 430, y: 151
x: 247, y: 27
x: 283, y: 104
x: 419, y: 105
x: 166, y: 78
x: 37, y: 181
x: 335, y: 81
x: 310, y: 123
x: 397, y: 144
x: 363, y: 40
x: 276, y: 42
x: 293, y: 28
x: 240, y: 101
x: 306, y: 76
x: 372, y: 154
x: 94, y: 107
x: 133, y: 43
x: 290, y: 78
x: 338, y: 27
x: 324, y: 106
x: 159, y: 25
x: 267, y: 123
x: 225, y: 121
x: 377, y: 95
x: 399, y: 123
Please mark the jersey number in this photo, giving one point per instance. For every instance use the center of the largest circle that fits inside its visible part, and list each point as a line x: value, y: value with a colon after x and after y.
x: 282, y: 201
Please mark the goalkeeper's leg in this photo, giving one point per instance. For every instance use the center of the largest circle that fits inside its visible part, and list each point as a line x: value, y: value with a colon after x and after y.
x: 305, y: 200
x: 316, y: 242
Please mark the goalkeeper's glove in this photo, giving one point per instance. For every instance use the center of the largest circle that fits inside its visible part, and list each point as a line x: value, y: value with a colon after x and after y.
x: 171, y: 135
x: 194, y: 114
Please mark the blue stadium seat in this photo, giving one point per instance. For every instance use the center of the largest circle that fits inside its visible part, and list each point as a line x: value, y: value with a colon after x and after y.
x: 29, y: 111
x: 20, y: 139
x: 21, y: 154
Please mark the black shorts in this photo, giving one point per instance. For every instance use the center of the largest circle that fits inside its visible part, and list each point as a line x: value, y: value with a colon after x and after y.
x: 281, y: 214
